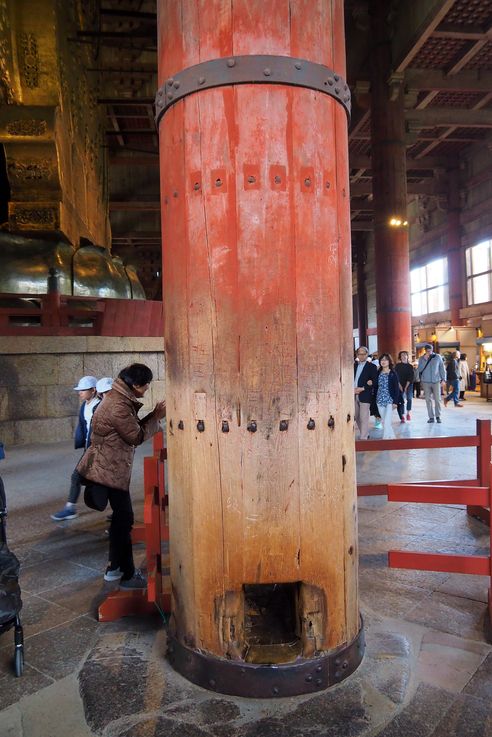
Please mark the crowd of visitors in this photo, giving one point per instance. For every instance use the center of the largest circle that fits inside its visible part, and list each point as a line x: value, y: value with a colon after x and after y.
x: 380, y: 386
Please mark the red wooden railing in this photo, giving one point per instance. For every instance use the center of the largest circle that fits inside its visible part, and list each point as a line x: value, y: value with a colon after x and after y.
x: 59, y: 314
x: 153, y: 532
x: 475, y: 493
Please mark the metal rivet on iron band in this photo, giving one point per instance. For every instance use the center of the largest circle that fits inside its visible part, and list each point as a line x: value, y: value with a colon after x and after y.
x: 252, y: 426
x: 218, y: 182
x: 231, y: 62
x: 251, y: 180
x: 298, y: 65
x: 337, y: 661
x: 345, y: 664
x: 284, y: 425
x: 336, y: 77
x: 330, y: 80
x: 181, y: 425
x: 211, y: 683
x: 160, y: 93
x: 170, y: 96
x: 201, y: 80
x: 275, y: 690
x: 307, y: 182
x: 319, y: 669
x: 311, y: 424
x: 225, y: 426
x: 309, y: 678
x: 170, y: 82
x: 177, y: 85
x: 200, y: 426
x: 267, y: 72
x: 319, y: 681
x: 331, y: 423
x: 337, y: 90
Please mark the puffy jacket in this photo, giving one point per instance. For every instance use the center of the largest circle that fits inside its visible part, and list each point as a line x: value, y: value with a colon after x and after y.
x: 116, y: 430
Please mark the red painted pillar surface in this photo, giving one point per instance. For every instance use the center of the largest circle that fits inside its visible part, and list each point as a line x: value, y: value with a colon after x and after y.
x: 389, y: 187
x: 455, y: 261
x: 258, y: 324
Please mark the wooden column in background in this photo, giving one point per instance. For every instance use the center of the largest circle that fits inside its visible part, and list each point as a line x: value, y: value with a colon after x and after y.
x: 258, y: 324
x: 361, y: 255
x: 455, y: 260
x: 389, y: 185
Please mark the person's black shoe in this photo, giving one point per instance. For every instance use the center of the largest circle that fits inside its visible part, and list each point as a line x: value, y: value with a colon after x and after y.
x: 438, y: 420
x: 431, y: 419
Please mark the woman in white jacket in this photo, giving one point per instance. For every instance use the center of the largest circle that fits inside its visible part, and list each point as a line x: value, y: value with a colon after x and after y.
x: 464, y: 375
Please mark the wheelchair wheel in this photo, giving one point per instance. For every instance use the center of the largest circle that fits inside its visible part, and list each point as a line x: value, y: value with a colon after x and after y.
x: 19, y: 661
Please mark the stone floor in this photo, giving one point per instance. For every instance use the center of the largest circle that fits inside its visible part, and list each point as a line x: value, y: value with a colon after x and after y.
x: 427, y: 671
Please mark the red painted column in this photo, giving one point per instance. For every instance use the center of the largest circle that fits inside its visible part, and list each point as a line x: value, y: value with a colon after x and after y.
x: 389, y: 186
x: 361, y: 253
x: 258, y: 325
x: 455, y: 261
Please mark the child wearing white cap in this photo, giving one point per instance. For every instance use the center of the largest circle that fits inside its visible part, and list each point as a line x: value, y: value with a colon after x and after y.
x: 88, y: 394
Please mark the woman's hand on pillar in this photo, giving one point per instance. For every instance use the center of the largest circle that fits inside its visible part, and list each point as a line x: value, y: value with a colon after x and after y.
x: 160, y: 410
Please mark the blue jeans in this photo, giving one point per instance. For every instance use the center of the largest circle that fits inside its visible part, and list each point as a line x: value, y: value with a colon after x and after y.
x: 455, y: 391
x: 407, y: 397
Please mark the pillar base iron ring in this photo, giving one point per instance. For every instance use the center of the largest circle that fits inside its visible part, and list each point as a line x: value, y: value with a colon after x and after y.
x: 237, y: 678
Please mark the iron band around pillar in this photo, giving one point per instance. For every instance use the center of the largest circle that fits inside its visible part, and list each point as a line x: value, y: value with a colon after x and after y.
x: 252, y: 69
x: 238, y: 678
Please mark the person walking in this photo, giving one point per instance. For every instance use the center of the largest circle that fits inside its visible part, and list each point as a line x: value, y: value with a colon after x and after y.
x: 108, y: 462
x: 432, y: 376
x: 464, y: 376
x: 387, y: 393
x: 416, y: 379
x: 365, y: 375
x: 453, y: 379
x: 90, y: 400
x: 404, y: 371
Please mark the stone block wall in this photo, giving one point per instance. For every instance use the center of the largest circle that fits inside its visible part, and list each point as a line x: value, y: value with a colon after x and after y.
x: 37, y: 376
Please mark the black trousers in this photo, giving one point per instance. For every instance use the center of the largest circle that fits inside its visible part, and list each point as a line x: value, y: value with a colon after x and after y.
x: 120, y: 542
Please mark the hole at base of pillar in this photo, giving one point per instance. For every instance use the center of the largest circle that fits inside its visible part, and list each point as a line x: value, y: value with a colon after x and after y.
x: 271, y: 629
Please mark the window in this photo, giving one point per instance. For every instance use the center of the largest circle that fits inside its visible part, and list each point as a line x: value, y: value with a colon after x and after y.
x: 478, y: 273
x: 429, y: 287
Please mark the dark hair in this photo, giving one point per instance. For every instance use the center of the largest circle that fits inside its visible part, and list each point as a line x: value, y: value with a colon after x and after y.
x: 463, y: 356
x: 137, y: 374
x: 401, y: 353
x: 429, y: 345
x: 388, y: 356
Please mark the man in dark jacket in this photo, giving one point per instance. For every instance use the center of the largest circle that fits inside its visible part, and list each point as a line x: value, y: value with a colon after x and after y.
x: 453, y: 379
x: 90, y: 400
x: 365, y: 375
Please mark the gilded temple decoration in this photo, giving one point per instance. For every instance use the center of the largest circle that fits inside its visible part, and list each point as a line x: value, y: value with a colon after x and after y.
x: 29, y: 57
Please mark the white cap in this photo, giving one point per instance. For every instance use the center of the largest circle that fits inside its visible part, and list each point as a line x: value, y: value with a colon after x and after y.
x: 104, y: 385
x: 86, y: 382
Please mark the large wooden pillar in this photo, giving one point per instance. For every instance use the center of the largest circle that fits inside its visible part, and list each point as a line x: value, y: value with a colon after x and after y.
x: 389, y: 185
x: 258, y: 323
x: 455, y: 261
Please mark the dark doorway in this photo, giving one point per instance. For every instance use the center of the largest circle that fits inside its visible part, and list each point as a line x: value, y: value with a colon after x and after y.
x: 271, y: 622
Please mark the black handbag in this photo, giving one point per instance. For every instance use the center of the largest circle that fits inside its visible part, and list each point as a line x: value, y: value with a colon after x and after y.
x: 96, y: 497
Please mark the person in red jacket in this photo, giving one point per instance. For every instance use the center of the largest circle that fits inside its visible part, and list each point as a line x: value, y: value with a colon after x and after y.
x: 108, y: 461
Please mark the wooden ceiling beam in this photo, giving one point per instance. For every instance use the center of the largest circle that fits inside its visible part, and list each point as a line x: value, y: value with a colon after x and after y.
x: 442, y: 116
x: 414, y: 22
x: 435, y: 79
x: 359, y: 161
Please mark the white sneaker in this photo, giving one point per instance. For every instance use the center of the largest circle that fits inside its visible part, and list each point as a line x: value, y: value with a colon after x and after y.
x: 112, y: 574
